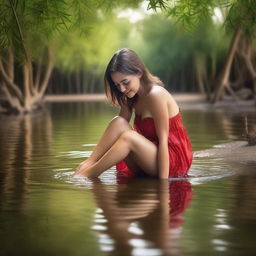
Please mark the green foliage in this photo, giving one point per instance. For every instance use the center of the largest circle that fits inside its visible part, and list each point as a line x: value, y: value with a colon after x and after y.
x: 168, y: 49
x: 242, y: 14
x: 74, y: 51
x: 38, y: 22
x: 193, y: 13
x: 43, y: 21
x: 157, y: 4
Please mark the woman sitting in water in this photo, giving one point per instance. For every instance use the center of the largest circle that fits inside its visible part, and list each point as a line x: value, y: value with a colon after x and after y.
x: 158, y: 144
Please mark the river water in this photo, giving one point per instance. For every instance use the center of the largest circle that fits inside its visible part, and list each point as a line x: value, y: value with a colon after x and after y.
x: 44, y: 210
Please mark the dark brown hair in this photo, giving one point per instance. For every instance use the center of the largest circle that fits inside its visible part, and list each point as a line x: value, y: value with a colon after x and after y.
x: 127, y: 62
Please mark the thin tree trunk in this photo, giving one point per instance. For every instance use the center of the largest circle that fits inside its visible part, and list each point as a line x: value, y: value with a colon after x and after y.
x: 63, y: 83
x: 10, y: 65
x: 77, y: 79
x: 253, y: 75
x: 248, y: 56
x: 92, y: 83
x: 86, y: 81
x: 47, y: 75
x: 31, y: 80
x: 224, y: 79
x: 13, y: 101
x: 27, y: 96
x: 10, y: 84
x: 69, y: 78
x: 213, y: 66
x: 200, y: 73
x: 38, y: 74
x: 182, y: 80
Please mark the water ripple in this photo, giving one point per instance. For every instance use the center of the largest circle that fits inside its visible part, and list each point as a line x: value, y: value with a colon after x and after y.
x: 202, y: 170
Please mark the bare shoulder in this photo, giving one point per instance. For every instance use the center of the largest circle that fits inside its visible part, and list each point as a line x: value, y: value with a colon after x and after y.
x: 157, y: 92
x: 159, y: 95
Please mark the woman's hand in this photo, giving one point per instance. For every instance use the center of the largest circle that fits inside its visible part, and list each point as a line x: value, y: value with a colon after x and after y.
x: 83, y: 165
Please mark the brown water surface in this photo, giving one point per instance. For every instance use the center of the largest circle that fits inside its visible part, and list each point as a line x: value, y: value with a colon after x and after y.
x: 44, y: 210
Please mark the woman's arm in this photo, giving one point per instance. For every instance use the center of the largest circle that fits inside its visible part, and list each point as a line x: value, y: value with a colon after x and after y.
x: 125, y: 112
x: 159, y: 110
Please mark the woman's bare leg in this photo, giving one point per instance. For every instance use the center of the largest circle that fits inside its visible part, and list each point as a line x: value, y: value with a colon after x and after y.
x: 116, y: 127
x: 131, y: 143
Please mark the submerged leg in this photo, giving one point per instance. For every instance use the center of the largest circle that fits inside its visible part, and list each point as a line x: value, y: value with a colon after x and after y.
x: 131, y: 143
x: 116, y: 127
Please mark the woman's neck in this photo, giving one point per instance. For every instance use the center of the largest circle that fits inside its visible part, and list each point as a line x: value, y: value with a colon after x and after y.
x: 144, y: 90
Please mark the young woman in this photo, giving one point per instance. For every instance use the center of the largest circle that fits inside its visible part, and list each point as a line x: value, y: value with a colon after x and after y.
x: 157, y: 145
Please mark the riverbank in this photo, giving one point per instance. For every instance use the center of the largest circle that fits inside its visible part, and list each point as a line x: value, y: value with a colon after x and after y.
x: 180, y: 97
x: 185, y: 100
x: 236, y: 151
x: 74, y: 97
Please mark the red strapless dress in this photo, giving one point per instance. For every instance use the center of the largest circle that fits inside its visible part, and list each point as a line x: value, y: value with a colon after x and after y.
x: 179, y: 145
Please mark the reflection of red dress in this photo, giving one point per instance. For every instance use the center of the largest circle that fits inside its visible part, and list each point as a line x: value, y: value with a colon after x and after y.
x: 180, y: 150
x: 180, y: 196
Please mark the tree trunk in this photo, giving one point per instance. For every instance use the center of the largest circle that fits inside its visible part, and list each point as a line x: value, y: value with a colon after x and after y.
x: 252, y: 71
x: 224, y: 78
x: 30, y: 97
x: 10, y: 65
x: 78, y: 82
x: 200, y: 73
x: 26, y: 87
x: 38, y: 74
x: 13, y: 101
x: 69, y: 83
x: 248, y: 55
x: 85, y: 81
x: 9, y: 81
x: 47, y: 76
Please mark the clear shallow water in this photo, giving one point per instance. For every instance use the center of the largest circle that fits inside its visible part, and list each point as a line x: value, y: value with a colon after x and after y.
x: 44, y: 210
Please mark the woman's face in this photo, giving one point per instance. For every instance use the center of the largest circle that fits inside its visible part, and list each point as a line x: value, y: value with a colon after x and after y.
x: 127, y: 84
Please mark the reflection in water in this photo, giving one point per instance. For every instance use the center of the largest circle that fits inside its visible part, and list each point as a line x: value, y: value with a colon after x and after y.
x: 143, y: 217
x: 39, y: 198
x: 21, y: 138
x: 210, y: 127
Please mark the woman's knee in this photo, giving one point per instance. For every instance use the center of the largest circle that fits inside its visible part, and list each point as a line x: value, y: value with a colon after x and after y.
x: 120, y: 121
x: 128, y: 136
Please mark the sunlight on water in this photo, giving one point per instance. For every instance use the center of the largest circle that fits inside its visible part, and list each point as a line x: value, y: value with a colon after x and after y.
x: 146, y: 251
x: 135, y: 229
x: 76, y: 154
x: 137, y: 242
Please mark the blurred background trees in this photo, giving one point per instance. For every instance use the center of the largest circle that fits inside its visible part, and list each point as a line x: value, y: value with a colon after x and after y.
x: 34, y: 37
x: 62, y: 47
